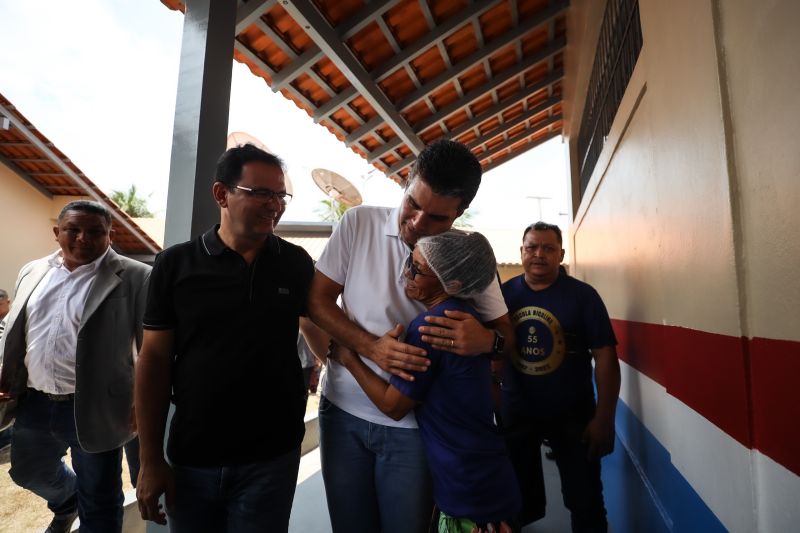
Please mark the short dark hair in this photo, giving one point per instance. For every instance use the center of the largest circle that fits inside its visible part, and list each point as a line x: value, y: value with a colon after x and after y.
x: 544, y: 226
x: 230, y: 163
x: 86, y: 206
x: 450, y: 169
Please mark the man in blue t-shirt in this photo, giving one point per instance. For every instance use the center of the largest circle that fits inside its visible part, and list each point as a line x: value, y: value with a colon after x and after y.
x: 561, y: 324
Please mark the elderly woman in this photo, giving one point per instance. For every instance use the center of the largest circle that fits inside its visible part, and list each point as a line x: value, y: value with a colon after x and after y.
x: 473, y: 481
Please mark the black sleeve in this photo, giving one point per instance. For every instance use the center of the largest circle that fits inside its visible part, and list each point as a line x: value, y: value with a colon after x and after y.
x: 160, y: 311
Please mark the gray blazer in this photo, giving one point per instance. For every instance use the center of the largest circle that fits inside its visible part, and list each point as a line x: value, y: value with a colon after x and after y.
x: 109, y: 337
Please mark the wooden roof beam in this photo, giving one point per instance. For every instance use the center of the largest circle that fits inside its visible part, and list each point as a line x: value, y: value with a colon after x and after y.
x: 439, y: 33
x: 359, y: 132
x: 491, y: 85
x: 483, y: 54
x: 364, y: 17
x: 306, y: 14
x: 499, y: 109
x: 11, y: 164
x: 397, y: 167
x: 484, y: 89
x: 25, y: 159
x: 277, y: 39
x: 426, y: 12
x: 517, y: 138
x: 400, y: 165
x: 496, y: 163
x: 250, y: 12
x: 303, y: 62
x: 487, y: 88
x: 511, y: 124
x: 383, y: 149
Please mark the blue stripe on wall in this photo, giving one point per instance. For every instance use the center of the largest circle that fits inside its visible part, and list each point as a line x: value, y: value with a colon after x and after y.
x: 643, y: 489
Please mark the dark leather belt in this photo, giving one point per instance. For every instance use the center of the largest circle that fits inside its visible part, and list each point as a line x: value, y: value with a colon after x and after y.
x: 53, y: 397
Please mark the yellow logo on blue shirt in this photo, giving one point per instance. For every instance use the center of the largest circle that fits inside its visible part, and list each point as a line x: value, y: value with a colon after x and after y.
x: 540, y: 341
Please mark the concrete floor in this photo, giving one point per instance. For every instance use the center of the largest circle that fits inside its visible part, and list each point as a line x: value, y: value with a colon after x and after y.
x: 310, y: 513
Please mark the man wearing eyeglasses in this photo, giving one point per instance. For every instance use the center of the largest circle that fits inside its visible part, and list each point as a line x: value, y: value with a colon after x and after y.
x: 374, y: 468
x: 235, y: 381
x: 561, y: 325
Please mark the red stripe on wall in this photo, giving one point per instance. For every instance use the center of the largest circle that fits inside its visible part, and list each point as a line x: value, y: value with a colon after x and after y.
x: 708, y: 372
x: 775, y: 378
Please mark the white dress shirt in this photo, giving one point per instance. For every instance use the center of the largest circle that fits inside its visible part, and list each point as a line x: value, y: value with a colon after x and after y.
x: 53, y: 317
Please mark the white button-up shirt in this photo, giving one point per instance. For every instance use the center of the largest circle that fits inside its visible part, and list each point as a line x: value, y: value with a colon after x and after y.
x: 53, y: 317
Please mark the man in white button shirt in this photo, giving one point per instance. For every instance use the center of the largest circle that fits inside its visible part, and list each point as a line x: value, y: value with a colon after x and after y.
x: 68, y: 356
x: 374, y: 468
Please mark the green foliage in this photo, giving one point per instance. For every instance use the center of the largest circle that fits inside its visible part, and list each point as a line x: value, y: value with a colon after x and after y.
x: 465, y: 220
x: 330, y: 210
x: 130, y: 202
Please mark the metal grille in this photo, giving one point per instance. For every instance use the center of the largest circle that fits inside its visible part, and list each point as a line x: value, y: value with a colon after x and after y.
x: 617, y: 51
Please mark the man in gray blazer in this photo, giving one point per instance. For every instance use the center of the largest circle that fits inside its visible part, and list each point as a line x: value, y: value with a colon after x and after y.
x: 68, y: 354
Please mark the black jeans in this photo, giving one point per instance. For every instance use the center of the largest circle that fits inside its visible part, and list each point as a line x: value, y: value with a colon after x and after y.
x: 581, y: 485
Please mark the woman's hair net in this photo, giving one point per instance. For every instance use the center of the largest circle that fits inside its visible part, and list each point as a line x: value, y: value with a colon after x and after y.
x: 463, y: 262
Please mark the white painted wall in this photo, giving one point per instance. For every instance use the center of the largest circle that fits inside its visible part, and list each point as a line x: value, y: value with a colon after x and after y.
x: 760, y: 46
x: 690, y: 218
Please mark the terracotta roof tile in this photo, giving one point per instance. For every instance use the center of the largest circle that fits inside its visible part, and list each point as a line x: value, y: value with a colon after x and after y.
x: 452, y: 69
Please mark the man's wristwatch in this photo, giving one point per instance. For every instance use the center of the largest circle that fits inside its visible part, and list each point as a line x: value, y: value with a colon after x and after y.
x: 499, y: 343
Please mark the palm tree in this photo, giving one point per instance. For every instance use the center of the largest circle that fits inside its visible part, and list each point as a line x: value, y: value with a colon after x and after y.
x: 465, y: 220
x: 130, y: 202
x: 330, y: 210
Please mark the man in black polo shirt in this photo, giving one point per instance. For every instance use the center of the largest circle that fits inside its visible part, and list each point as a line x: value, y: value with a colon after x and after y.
x: 220, y: 336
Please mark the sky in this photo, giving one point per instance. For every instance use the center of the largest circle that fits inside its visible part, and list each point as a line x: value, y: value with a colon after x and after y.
x: 99, y: 79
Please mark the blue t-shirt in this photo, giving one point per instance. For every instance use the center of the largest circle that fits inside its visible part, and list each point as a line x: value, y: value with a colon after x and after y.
x: 556, y: 327
x: 472, y: 474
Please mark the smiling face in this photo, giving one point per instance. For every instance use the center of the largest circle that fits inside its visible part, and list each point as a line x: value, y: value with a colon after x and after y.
x: 245, y: 214
x: 421, y: 283
x: 82, y: 236
x: 541, y: 256
x: 424, y: 213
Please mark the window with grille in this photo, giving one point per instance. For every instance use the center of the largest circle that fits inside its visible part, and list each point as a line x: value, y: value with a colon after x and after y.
x: 617, y: 51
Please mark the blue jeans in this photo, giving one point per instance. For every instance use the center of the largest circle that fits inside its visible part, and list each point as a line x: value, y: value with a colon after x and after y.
x: 43, y: 431
x: 376, y: 477
x: 241, y: 498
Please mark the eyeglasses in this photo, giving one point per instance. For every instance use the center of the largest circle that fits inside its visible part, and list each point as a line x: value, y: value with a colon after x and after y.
x: 266, y: 194
x: 413, y: 269
x: 548, y: 249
